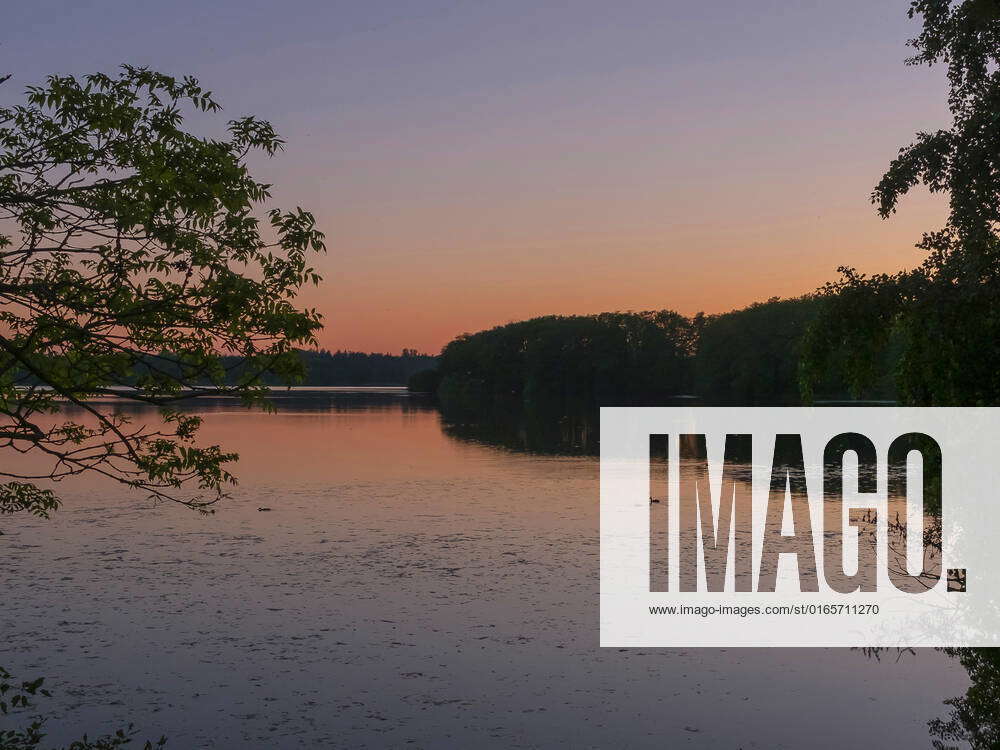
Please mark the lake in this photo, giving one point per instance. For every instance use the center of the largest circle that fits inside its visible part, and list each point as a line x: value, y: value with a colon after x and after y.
x: 409, y: 586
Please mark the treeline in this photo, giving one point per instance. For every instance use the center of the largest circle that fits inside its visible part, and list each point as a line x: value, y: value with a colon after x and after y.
x: 569, y: 363
x: 754, y: 356
x: 322, y: 368
x: 572, y: 361
x: 343, y: 368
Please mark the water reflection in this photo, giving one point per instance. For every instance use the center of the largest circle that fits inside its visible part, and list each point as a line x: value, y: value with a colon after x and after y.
x: 413, y: 585
x: 291, y: 400
x: 973, y: 719
x: 532, y: 431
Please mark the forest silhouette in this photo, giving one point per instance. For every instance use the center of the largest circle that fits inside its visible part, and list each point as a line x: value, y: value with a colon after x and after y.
x: 573, y: 364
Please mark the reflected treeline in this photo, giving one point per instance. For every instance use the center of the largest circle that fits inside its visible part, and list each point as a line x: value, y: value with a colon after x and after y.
x: 285, y: 401
x: 511, y: 424
x: 537, y: 430
x: 972, y: 719
x: 547, y: 430
x: 537, y: 385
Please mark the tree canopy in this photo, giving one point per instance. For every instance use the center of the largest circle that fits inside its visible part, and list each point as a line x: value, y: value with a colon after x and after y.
x: 751, y: 355
x: 943, y: 314
x: 136, y: 253
x: 569, y: 362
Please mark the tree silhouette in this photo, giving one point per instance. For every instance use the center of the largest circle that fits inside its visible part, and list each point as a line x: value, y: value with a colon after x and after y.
x: 131, y: 255
x: 943, y: 314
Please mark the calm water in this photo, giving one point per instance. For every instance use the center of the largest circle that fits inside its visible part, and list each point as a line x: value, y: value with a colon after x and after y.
x: 408, y: 587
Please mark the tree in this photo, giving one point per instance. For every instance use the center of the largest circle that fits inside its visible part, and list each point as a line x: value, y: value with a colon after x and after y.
x: 569, y: 363
x: 973, y: 718
x: 132, y: 260
x: 750, y: 356
x: 943, y: 314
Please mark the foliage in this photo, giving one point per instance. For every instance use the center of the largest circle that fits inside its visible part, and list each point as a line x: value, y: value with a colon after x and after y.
x: 751, y: 356
x: 975, y: 716
x: 558, y: 366
x: 566, y: 363
x: 424, y: 381
x: 18, y: 497
x: 319, y: 368
x: 944, y: 314
x: 131, y: 255
x: 17, y: 698
x: 13, y: 696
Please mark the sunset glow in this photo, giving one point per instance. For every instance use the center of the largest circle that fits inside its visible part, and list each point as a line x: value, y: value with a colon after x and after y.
x: 473, y: 164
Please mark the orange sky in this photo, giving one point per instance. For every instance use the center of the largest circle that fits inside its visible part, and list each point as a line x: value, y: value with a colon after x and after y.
x: 708, y: 247
x: 606, y: 181
x: 477, y: 163
x: 691, y: 268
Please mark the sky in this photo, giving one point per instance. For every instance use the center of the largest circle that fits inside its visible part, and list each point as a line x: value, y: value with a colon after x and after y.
x: 475, y: 163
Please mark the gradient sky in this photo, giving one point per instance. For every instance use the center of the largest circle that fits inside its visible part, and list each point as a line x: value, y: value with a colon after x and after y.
x: 474, y: 163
